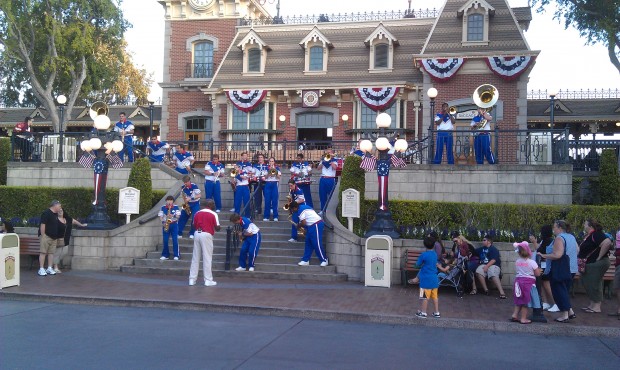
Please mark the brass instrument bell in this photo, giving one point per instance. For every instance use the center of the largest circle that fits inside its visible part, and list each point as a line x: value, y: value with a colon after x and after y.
x: 327, y: 157
x: 485, y: 96
x: 273, y: 172
x: 233, y: 172
x: 452, y: 110
x: 98, y: 108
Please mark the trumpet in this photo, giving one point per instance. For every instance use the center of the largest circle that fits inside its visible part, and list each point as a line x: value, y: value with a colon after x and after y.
x: 287, y: 205
x: 273, y: 172
x: 234, y: 172
x: 452, y: 110
x: 327, y: 157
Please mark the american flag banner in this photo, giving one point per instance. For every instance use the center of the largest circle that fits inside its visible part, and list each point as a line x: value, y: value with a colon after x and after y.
x: 115, y: 160
x: 398, y: 162
x: 368, y: 163
x: 87, y: 160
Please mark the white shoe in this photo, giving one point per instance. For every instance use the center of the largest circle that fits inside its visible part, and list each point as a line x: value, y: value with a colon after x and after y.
x: 546, y: 306
x: 50, y: 271
x: 191, y: 236
x: 291, y: 240
x: 210, y: 283
x: 192, y: 282
x: 240, y: 269
x: 232, y: 210
x: 163, y: 258
x: 324, y: 263
x: 303, y: 263
x: 275, y: 219
x: 57, y: 270
x: 265, y: 219
x: 217, y: 211
x: 554, y: 308
x: 42, y: 272
x: 251, y: 269
x: 180, y: 237
x: 176, y: 258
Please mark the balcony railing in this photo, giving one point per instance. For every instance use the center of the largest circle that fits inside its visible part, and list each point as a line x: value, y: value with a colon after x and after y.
x: 200, y: 70
x: 575, y: 94
x: 346, y: 17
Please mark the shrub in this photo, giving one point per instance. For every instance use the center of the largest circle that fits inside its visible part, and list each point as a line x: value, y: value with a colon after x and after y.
x: 140, y: 178
x: 5, y: 155
x: 353, y: 177
x: 609, y: 180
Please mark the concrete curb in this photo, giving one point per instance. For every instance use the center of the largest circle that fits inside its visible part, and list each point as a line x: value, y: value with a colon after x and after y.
x: 540, y: 329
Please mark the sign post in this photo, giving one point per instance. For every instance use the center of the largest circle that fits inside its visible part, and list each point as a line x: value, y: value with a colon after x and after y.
x: 129, y: 202
x: 351, y: 206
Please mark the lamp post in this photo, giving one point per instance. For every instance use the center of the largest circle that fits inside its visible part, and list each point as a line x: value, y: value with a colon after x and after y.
x: 552, y: 95
x: 383, y: 223
x: 432, y: 94
x: 151, y: 100
x: 345, y: 119
x: 61, y: 99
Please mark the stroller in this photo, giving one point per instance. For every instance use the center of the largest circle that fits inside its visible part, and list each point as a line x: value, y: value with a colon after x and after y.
x: 455, y: 276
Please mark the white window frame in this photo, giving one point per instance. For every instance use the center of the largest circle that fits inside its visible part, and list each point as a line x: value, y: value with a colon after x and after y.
x: 476, y: 7
x: 266, y: 122
x: 190, y: 44
x: 315, y: 38
x: 381, y: 36
x: 252, y: 41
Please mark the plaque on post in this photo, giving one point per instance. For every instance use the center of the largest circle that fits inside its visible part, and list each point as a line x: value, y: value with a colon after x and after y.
x: 129, y: 202
x: 351, y: 205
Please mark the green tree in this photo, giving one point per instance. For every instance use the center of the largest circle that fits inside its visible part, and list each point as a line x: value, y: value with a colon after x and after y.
x: 609, y: 179
x: 49, y: 47
x: 597, y: 20
x: 140, y: 178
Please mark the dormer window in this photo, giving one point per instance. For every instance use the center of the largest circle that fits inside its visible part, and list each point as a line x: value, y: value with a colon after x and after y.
x: 316, y: 47
x: 254, y: 54
x: 475, y: 14
x: 381, y: 43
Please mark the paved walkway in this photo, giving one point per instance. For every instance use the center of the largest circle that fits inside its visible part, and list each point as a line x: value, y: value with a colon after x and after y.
x: 348, y: 301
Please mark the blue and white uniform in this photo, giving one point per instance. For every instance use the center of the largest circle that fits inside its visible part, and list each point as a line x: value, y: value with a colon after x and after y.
x: 128, y: 142
x: 482, y: 142
x: 158, y: 150
x: 314, y: 233
x: 298, y: 197
x: 328, y: 180
x: 260, y: 170
x: 302, y: 171
x: 193, y: 195
x: 444, y: 137
x: 173, y: 229
x: 251, y: 244
x: 358, y: 152
x: 182, y: 160
x: 213, y: 189
x: 272, y: 194
x: 242, y: 193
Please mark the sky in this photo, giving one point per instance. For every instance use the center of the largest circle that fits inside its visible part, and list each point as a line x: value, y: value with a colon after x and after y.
x: 564, y: 63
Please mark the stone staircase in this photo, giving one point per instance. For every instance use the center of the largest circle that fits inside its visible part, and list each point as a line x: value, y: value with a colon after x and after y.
x: 277, y: 258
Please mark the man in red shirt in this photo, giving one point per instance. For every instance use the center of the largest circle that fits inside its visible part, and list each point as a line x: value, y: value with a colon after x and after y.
x: 206, y: 223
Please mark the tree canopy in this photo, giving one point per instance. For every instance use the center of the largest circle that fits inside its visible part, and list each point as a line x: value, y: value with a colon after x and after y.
x: 597, y: 20
x: 69, y: 47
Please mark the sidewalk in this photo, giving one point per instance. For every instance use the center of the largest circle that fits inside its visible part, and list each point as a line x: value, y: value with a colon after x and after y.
x: 348, y: 301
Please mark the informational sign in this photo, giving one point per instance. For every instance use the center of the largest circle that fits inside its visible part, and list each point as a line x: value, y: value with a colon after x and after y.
x: 351, y: 203
x: 129, y: 201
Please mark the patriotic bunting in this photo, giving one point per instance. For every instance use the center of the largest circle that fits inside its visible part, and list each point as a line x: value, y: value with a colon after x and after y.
x: 442, y: 69
x: 246, y: 100
x: 377, y: 98
x: 510, y: 67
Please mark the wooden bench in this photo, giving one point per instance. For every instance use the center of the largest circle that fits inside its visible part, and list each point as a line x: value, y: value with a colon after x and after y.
x: 608, y: 279
x: 407, y: 264
x: 29, y: 246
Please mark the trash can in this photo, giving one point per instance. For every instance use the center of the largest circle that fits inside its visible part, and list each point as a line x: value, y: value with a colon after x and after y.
x: 378, y: 261
x: 9, y: 252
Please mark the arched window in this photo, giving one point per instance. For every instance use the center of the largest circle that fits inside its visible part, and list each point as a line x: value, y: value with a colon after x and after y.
x: 203, y: 60
x: 316, y: 58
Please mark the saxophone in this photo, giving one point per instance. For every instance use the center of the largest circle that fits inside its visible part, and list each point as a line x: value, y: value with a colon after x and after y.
x: 186, y: 207
x: 168, y: 220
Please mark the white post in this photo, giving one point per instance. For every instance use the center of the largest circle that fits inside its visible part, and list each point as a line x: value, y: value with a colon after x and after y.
x: 128, y: 220
x: 350, y: 223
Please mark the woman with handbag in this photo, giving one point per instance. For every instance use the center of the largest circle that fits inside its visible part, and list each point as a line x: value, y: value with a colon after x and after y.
x: 560, y: 274
x: 593, y: 262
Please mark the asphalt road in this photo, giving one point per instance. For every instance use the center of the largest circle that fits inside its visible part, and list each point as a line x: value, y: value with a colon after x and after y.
x: 37, y: 335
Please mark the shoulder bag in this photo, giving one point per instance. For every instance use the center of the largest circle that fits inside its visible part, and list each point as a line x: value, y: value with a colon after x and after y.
x: 581, y: 262
x: 560, y: 268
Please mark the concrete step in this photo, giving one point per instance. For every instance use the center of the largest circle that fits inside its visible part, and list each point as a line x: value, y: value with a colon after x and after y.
x: 271, y: 264
x: 264, y: 251
x: 300, y: 274
x: 280, y: 243
x: 269, y: 257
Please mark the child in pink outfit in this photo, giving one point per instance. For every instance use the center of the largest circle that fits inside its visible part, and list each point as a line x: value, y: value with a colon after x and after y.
x: 527, y: 270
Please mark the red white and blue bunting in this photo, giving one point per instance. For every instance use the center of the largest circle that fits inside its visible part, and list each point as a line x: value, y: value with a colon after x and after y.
x: 442, y: 69
x: 377, y: 98
x: 509, y: 67
x: 246, y: 100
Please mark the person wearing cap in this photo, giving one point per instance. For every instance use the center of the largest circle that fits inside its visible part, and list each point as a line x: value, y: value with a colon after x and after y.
x: 526, y: 272
x: 298, y: 197
x: 49, y: 236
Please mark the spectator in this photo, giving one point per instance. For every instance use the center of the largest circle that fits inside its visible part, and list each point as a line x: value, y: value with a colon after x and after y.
x: 617, y: 275
x: 206, y: 224
x: 429, y: 283
x: 490, y: 267
x: 526, y: 271
x: 65, y: 226
x: 439, y: 250
x: 24, y: 139
x: 594, y: 249
x: 49, y: 234
x: 6, y: 227
x: 251, y: 242
x: 545, y: 246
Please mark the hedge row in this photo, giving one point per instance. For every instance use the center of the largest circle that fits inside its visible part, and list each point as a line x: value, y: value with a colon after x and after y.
x: 5, y: 155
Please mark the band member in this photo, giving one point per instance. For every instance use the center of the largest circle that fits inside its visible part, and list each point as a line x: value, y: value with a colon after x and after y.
x: 191, y: 205
x: 206, y: 224
x: 357, y: 151
x: 157, y: 149
x: 242, y: 191
x: 328, y: 177
x: 272, y: 190
x: 482, y: 143
x: 214, y: 170
x: 297, y: 197
x: 302, y: 171
x: 313, y: 223
x: 24, y: 139
x: 258, y: 183
x: 169, y: 215
x: 183, y: 160
x: 244, y: 163
x: 445, y: 123
x: 125, y: 129
x: 251, y: 242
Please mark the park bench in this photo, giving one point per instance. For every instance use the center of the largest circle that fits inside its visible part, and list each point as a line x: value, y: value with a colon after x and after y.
x: 407, y: 264
x: 608, y: 279
x: 29, y: 246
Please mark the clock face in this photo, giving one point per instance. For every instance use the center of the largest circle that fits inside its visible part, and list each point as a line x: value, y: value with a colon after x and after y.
x: 200, y: 4
x: 311, y: 99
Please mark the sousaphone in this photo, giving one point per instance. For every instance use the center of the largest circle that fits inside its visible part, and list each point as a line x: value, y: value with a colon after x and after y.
x: 485, y: 97
x: 98, y: 109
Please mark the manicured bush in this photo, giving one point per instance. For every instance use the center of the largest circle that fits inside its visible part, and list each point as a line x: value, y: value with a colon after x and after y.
x: 5, y: 155
x: 353, y: 177
x: 609, y: 179
x: 140, y: 178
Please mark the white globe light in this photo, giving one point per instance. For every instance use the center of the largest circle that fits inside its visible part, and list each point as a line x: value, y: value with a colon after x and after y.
x: 383, y: 120
x: 85, y: 146
x: 107, y: 145
x: 366, y: 146
x: 102, y: 122
x: 95, y: 143
x: 432, y: 93
x: 382, y: 143
x: 61, y: 99
x: 345, y: 117
x: 117, y: 145
x: 151, y: 98
x: 282, y: 118
x: 401, y: 145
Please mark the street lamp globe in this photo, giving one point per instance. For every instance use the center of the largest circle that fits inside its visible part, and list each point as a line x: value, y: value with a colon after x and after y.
x: 85, y: 146
x: 366, y: 146
x: 102, y: 122
x: 345, y: 117
x: 117, y: 145
x: 152, y: 98
x: 382, y: 143
x: 432, y: 93
x: 61, y: 99
x: 95, y: 143
x: 553, y: 93
x: 383, y: 120
x: 401, y: 145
